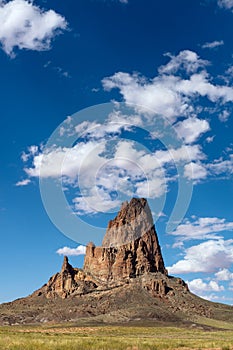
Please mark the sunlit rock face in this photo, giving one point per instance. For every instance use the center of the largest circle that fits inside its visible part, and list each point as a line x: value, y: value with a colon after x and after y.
x: 130, y: 247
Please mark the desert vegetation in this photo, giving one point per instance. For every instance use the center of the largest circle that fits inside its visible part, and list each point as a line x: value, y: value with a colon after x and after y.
x: 73, y: 337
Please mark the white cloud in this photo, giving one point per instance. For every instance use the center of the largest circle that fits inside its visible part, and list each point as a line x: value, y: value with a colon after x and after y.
x: 200, y: 85
x: 202, y: 228
x: 224, y: 275
x: 125, y: 121
x: 168, y: 94
x: 191, y: 129
x: 115, y: 123
x: 228, y: 4
x: 32, y: 151
x: 208, y: 256
x: 152, y: 187
x: 99, y: 202
x: 217, y: 298
x: 26, y: 26
x: 198, y: 286
x: 182, y: 154
x: 129, y: 170
x: 194, y: 171
x: 103, y: 165
x: 178, y: 244
x: 213, y: 44
x: 80, y: 250
x: 157, y: 95
x: 64, y: 161
x: 221, y: 166
x: 187, y: 60
x: 23, y: 183
x: 210, y: 139
x: 223, y: 117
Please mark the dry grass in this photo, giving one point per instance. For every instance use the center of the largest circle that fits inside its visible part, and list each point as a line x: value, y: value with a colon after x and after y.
x: 112, y: 338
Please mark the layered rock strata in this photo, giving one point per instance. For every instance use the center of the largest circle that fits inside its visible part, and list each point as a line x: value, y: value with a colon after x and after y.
x: 115, y: 261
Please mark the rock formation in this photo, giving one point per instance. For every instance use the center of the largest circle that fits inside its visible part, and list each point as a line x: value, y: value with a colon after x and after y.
x: 115, y: 264
x: 112, y: 264
x: 139, y: 254
x: 69, y: 281
x: 123, y: 280
x: 133, y: 221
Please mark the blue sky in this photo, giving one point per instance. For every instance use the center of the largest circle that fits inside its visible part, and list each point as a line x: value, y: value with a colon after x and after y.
x: 102, y: 100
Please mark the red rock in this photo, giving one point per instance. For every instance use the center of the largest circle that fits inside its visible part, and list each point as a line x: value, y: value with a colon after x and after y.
x: 141, y: 254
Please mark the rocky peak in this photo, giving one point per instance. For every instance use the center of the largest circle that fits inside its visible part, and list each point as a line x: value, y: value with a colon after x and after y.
x: 66, y: 267
x: 130, y: 247
x: 137, y: 263
x: 133, y: 220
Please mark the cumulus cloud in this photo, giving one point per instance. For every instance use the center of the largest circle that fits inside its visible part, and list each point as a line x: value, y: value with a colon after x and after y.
x: 80, y: 250
x: 129, y: 171
x: 195, y: 171
x: 187, y: 60
x: 65, y: 161
x: 202, y: 228
x: 208, y: 256
x: 192, y: 128
x: 224, y: 275
x: 198, y: 286
x: 200, y: 85
x: 157, y: 96
x: 215, y: 255
x: 88, y: 165
x: 102, y: 166
x: 170, y: 94
x: 99, y: 202
x: 213, y: 44
x: 27, y: 26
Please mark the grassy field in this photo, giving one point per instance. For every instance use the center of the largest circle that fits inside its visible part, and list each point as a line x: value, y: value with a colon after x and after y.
x: 113, y: 338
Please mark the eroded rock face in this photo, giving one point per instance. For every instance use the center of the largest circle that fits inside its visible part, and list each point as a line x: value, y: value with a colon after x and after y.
x: 133, y: 221
x: 115, y: 261
x: 68, y: 281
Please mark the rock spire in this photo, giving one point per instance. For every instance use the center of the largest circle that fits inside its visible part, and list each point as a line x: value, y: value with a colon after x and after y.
x: 130, y: 247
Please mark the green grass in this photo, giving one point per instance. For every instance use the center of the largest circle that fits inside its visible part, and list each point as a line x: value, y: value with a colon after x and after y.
x: 112, y: 338
x: 214, y: 323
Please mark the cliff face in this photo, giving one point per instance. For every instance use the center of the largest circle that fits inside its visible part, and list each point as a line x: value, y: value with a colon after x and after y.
x: 69, y: 281
x: 130, y: 247
x: 133, y: 220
